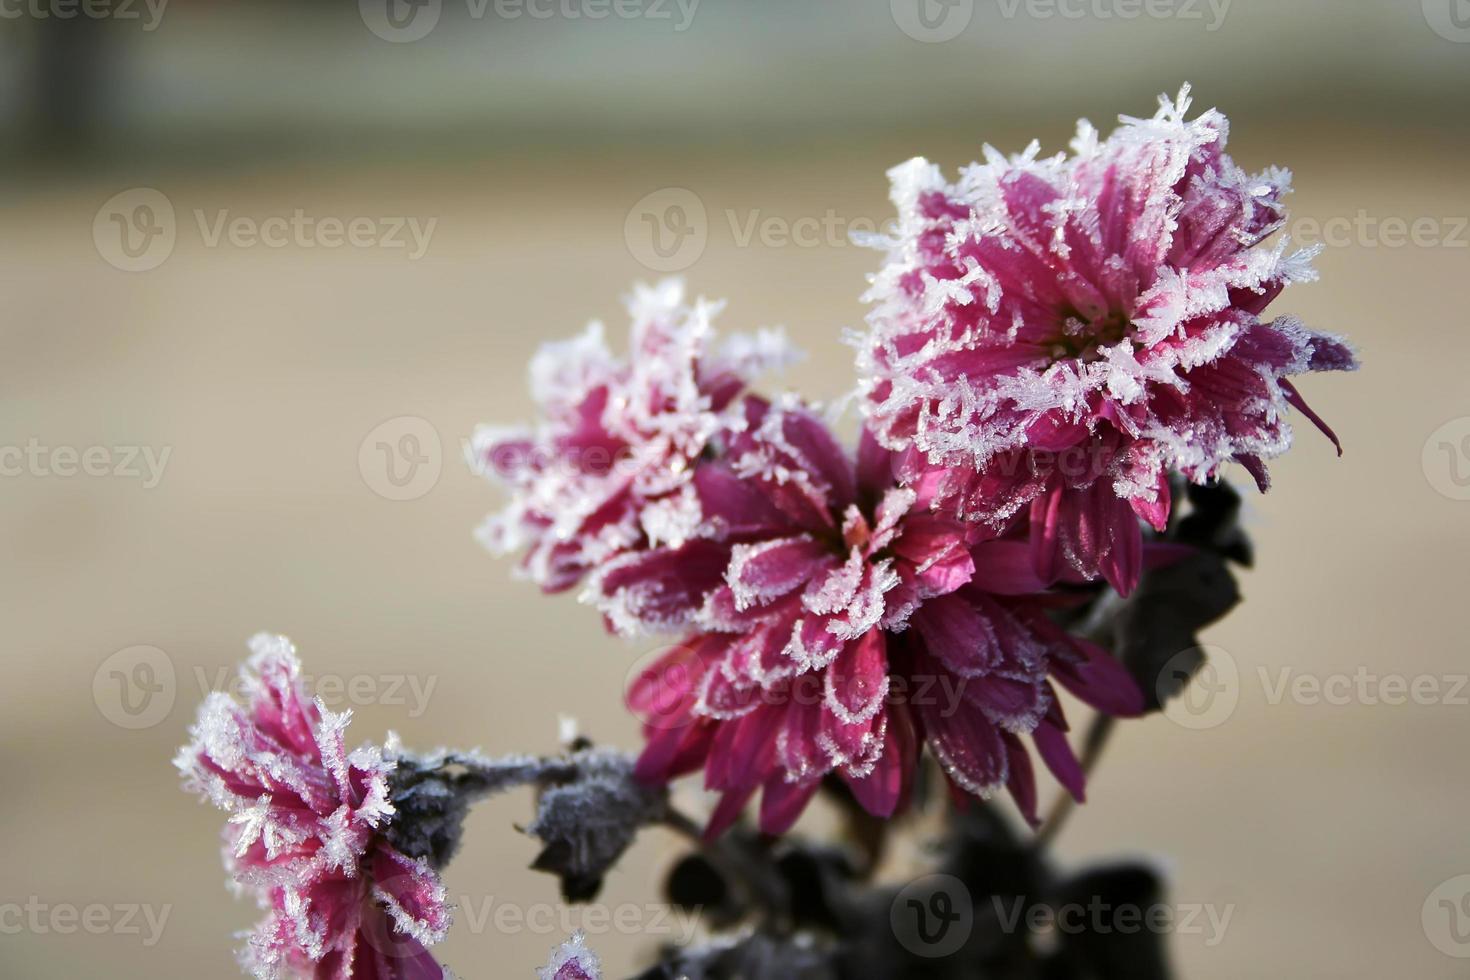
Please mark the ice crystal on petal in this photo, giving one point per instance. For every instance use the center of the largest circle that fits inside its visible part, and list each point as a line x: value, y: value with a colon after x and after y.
x: 572, y: 960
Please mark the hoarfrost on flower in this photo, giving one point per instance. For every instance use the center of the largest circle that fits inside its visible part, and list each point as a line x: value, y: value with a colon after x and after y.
x: 306, y: 832
x: 1061, y: 332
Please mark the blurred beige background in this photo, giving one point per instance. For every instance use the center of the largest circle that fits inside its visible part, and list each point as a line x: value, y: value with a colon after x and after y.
x: 529, y: 143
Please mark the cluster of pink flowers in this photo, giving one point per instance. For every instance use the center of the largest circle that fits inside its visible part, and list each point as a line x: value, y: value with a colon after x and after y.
x: 306, y: 832
x: 1050, y: 340
x: 1051, y: 343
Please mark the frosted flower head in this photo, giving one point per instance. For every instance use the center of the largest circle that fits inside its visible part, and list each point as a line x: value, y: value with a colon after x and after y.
x: 305, y: 832
x: 1064, y: 331
x: 608, y: 465
x: 572, y: 960
x: 840, y: 626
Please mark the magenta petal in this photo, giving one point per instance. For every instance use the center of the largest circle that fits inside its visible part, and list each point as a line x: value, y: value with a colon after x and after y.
x: 881, y: 791
x: 814, y: 445
x: 1014, y: 703
x: 874, y: 464
x: 1051, y: 742
x: 660, y: 590
x: 1006, y: 568
x: 661, y: 694
x: 1022, y: 779
x: 797, y: 746
x: 385, y: 954
x: 1122, y: 564
x: 857, y: 681
x: 937, y: 547
x: 1046, y: 533
x: 727, y: 811
x: 733, y: 505
x: 1155, y: 510
x: 1257, y: 469
x: 853, y: 744
x: 1300, y: 404
x: 782, y: 803
x: 764, y: 571
x: 967, y: 745
x: 959, y: 635
x: 1095, y: 676
x: 743, y: 750
x: 673, y: 752
x: 415, y: 895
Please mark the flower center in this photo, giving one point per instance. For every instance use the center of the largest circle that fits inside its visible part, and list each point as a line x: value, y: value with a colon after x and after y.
x: 1082, y: 338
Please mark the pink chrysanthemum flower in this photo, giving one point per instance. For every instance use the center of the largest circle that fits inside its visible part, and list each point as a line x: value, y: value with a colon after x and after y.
x: 572, y: 960
x: 1063, y: 332
x: 843, y: 625
x: 608, y: 467
x: 305, y: 832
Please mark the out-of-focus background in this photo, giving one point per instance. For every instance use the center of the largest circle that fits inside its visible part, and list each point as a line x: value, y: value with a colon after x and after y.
x: 264, y: 267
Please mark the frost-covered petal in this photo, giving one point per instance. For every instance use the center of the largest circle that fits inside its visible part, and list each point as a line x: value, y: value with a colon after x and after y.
x: 572, y: 960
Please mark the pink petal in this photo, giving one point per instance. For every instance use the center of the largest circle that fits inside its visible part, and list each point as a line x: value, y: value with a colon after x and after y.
x: 968, y: 747
x: 857, y: 681
x: 959, y: 636
x: 881, y: 791
x: 1051, y: 742
x: 782, y: 803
